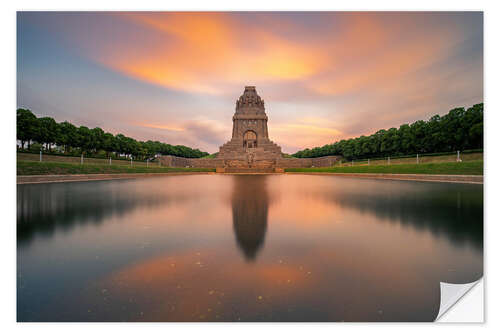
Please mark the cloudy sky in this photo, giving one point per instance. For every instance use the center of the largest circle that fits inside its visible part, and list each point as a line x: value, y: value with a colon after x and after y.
x: 175, y: 77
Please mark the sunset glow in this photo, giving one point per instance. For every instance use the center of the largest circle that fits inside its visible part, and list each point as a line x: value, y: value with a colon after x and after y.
x: 174, y: 77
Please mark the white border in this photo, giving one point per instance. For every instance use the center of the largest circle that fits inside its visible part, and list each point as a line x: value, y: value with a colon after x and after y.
x: 7, y: 132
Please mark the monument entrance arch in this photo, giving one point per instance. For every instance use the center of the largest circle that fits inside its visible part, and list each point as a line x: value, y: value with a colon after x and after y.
x: 250, y: 139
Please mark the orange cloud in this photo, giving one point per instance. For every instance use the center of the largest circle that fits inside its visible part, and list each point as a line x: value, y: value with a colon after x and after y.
x: 198, y: 51
x: 205, y: 52
x: 165, y: 127
x: 306, y: 131
x: 347, y: 68
x: 374, y: 52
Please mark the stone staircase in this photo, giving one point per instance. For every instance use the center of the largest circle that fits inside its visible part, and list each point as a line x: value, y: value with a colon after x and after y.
x: 249, y: 170
x: 234, y: 149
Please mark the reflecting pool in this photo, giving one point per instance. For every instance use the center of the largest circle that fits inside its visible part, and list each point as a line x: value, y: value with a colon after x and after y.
x: 244, y: 248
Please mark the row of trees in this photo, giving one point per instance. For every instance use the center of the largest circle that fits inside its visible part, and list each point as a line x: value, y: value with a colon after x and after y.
x: 460, y: 129
x: 70, y: 139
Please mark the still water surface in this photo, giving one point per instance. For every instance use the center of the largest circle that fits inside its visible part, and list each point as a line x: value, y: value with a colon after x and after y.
x: 244, y: 248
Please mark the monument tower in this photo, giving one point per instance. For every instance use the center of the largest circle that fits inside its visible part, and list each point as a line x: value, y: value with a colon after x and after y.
x: 250, y: 139
x: 249, y: 149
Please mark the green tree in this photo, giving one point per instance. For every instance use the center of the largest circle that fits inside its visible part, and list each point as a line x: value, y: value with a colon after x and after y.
x: 109, y: 143
x: 47, y: 132
x: 26, y: 126
x: 84, y: 139
x: 97, y: 139
x: 67, y: 135
x: 459, y: 129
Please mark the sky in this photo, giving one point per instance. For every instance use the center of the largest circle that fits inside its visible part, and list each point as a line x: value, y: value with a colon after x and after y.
x: 175, y: 77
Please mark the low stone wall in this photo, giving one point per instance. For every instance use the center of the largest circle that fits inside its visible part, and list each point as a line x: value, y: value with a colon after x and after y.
x: 174, y: 161
x: 206, y: 163
x: 182, y: 162
x: 317, y: 162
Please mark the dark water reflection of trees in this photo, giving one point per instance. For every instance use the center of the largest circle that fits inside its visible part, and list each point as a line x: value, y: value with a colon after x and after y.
x: 329, y: 272
x: 454, y: 211
x: 43, y: 209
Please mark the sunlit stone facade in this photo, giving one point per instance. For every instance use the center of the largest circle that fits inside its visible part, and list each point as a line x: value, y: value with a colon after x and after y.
x: 250, y: 137
x: 250, y: 149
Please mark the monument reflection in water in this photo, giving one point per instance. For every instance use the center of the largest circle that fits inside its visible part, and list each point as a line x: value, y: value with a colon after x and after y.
x: 244, y: 248
x: 250, y: 203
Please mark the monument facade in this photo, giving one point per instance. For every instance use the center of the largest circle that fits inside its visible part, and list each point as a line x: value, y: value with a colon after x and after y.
x: 250, y: 146
x: 249, y: 149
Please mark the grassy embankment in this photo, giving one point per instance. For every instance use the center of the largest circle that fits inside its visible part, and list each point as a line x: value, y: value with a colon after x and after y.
x: 25, y: 168
x: 438, y: 158
x: 444, y: 168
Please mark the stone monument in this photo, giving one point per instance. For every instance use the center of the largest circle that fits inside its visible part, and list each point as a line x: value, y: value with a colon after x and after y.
x: 250, y: 146
x: 249, y: 150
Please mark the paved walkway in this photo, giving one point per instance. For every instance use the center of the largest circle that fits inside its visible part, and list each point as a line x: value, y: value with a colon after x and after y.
x: 471, y: 179
x: 91, y: 177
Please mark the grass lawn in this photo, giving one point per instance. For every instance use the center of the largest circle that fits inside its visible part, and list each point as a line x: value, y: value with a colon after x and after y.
x: 447, y: 168
x: 25, y: 168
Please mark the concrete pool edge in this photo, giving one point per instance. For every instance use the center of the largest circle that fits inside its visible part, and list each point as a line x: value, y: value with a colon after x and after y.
x: 468, y: 179
x: 40, y: 179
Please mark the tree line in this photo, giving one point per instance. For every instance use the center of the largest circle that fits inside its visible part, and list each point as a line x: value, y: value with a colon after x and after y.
x: 459, y: 129
x: 72, y: 140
